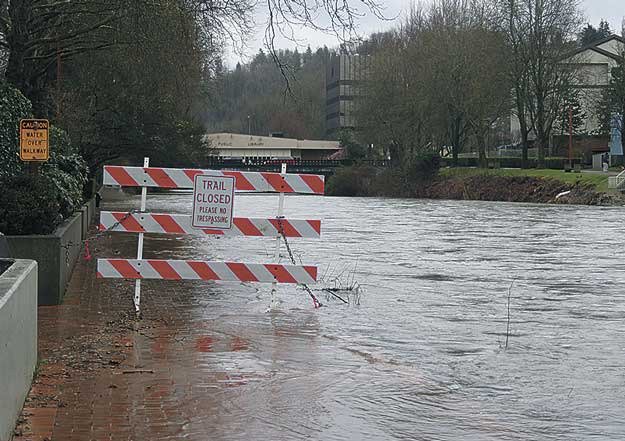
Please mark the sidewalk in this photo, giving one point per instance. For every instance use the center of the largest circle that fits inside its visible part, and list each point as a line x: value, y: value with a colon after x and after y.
x: 102, y: 375
x: 601, y: 172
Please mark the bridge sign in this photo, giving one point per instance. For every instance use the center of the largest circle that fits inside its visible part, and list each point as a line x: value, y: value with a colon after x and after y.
x: 213, y: 199
x: 34, y: 136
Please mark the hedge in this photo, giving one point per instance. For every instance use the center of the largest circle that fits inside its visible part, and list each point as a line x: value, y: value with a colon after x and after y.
x: 35, y: 204
x: 550, y: 163
x: 13, y: 107
x: 29, y: 205
x: 400, y: 181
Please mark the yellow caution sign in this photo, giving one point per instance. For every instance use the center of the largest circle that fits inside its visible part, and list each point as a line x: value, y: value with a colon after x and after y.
x: 34, y: 140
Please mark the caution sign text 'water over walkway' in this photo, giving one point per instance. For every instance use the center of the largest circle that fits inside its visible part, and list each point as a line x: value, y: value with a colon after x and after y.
x: 34, y: 140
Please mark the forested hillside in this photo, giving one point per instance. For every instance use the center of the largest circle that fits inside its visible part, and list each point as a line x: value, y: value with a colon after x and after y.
x: 266, y: 96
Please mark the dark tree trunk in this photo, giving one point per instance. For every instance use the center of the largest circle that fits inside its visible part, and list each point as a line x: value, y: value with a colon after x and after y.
x: 542, y: 140
x: 17, y: 38
x: 481, y: 141
x: 456, y: 140
x: 524, y: 149
x: 21, y: 73
x: 29, y: 76
x: 524, y: 142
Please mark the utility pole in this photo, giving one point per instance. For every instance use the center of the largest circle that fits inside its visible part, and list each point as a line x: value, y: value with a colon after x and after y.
x: 249, y: 126
x: 571, y: 137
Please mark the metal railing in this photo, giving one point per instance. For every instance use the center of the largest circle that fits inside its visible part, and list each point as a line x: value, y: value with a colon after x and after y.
x: 216, y: 162
x: 617, y: 182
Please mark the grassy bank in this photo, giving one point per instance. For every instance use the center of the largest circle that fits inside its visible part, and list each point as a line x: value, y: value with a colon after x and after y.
x: 511, y: 185
x: 597, y: 181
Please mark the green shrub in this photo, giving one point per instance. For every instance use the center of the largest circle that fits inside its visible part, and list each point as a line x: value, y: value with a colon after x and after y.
x: 68, y: 176
x: 361, y: 180
x: 388, y: 182
x: 352, y: 181
x: 423, y: 168
x: 30, y: 205
x: 37, y: 204
x: 353, y: 148
x: 13, y: 107
x: 60, y: 143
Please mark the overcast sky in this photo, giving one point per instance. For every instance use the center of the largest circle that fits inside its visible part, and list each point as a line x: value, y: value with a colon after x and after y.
x: 595, y: 10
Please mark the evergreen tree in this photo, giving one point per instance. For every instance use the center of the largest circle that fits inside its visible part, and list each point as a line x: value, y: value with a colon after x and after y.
x: 572, y: 111
x: 258, y: 90
x: 590, y: 34
x: 308, y: 55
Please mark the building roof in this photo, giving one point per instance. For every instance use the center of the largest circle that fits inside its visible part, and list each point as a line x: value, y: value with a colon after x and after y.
x: 224, y: 141
x: 594, y: 46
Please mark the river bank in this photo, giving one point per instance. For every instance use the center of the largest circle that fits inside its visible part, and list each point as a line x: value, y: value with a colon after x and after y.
x: 516, y: 189
x: 476, y: 184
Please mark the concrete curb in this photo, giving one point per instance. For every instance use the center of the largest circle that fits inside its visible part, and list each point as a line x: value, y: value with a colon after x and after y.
x: 18, y: 340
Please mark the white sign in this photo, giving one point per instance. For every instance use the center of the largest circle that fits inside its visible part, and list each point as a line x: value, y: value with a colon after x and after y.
x: 213, y: 199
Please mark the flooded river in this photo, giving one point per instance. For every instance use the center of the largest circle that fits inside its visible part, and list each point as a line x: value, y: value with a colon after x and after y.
x: 422, y: 356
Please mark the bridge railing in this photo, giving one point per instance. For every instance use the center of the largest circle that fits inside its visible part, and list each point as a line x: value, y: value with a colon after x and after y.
x: 216, y: 162
x: 617, y: 182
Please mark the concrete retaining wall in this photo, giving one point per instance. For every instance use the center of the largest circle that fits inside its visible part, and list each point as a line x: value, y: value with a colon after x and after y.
x: 84, y: 224
x: 18, y: 340
x: 51, y: 252
x: 91, y: 209
x: 55, y: 263
x: 88, y: 215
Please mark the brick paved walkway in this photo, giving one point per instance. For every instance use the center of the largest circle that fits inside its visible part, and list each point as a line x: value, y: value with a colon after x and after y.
x: 187, y: 370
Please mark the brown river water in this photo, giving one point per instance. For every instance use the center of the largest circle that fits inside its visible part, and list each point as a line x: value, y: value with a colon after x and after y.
x: 422, y: 355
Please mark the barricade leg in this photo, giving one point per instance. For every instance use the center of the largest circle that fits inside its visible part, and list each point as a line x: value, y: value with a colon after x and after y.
x: 274, y: 285
x: 144, y: 197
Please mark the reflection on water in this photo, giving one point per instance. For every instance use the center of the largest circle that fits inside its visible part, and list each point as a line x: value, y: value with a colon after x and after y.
x: 421, y: 357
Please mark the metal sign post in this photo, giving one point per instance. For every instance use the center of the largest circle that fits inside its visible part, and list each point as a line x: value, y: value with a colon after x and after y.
x: 274, y: 285
x: 144, y: 200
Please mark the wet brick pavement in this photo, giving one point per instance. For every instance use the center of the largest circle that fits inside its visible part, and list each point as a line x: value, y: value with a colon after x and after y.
x: 102, y: 375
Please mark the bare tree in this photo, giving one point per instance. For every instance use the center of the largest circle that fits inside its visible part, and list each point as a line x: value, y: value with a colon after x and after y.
x: 489, y: 98
x: 541, y: 33
x: 339, y: 18
x: 39, y: 34
x: 513, y: 30
x: 439, y: 80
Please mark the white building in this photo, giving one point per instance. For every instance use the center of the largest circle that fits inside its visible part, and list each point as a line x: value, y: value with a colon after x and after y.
x: 593, y: 65
x: 237, y: 146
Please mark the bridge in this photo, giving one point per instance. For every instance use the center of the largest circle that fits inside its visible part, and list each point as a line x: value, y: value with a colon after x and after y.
x: 325, y: 167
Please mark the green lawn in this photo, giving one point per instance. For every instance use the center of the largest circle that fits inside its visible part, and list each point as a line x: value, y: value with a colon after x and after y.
x: 598, y: 180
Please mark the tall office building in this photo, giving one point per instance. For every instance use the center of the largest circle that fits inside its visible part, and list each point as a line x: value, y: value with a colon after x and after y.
x: 345, y: 75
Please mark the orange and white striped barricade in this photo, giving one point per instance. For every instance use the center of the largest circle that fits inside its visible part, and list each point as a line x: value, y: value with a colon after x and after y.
x: 174, y: 178
x: 181, y: 224
x: 205, y: 270
x: 164, y: 223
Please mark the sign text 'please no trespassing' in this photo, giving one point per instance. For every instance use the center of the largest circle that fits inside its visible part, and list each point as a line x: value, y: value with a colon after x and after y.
x: 213, y: 199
